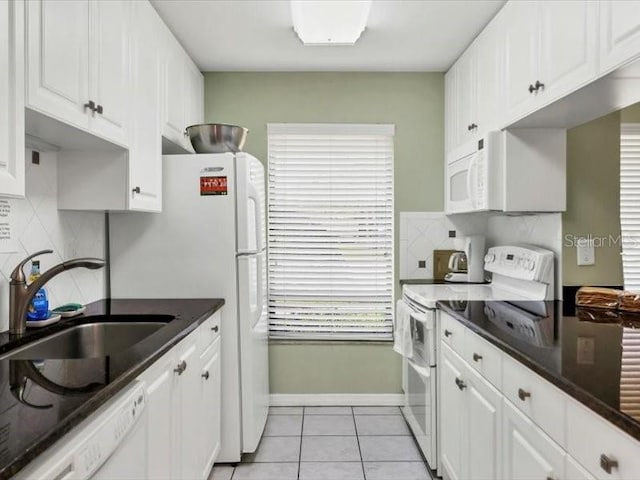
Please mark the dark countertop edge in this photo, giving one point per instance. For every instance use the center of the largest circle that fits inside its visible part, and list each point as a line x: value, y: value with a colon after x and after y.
x: 620, y: 420
x: 103, y: 396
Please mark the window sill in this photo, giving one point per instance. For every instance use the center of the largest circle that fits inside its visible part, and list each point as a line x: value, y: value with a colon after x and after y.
x: 301, y: 341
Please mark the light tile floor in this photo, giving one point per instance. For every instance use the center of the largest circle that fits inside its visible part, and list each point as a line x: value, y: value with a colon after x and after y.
x: 331, y: 443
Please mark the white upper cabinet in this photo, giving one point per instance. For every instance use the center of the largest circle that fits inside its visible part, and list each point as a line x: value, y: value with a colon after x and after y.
x: 450, y: 128
x: 466, y: 91
x: 12, y: 98
x: 619, y: 33
x: 551, y: 50
x: 183, y: 96
x: 58, y: 59
x: 144, y: 190
x: 568, y: 46
x: 489, y: 53
x: 109, y: 61
x: 77, y: 64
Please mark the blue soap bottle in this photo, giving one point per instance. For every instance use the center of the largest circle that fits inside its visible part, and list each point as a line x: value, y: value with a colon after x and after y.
x: 39, y: 306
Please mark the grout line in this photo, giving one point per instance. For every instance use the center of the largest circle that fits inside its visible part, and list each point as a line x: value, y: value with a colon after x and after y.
x: 301, y: 437
x: 355, y: 427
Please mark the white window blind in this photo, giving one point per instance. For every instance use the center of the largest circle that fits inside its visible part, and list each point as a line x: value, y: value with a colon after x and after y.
x: 630, y: 229
x: 330, y: 231
x: 630, y: 203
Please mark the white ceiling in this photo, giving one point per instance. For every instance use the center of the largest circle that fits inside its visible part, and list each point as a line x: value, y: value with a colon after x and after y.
x: 257, y: 35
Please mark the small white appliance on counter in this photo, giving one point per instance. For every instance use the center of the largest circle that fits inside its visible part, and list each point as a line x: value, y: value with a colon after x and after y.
x: 209, y: 242
x: 470, y: 251
x: 520, y: 274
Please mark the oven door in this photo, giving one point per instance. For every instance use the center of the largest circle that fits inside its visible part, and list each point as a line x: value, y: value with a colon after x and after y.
x: 423, y: 337
x: 420, y: 409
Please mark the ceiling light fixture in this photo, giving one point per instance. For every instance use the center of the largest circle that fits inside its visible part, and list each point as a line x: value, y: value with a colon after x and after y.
x: 330, y: 22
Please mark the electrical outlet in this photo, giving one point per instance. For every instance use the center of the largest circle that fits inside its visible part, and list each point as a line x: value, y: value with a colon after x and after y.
x: 585, y: 252
x: 422, y: 264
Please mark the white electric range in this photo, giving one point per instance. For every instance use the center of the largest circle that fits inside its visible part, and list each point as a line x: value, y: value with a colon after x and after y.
x: 519, y: 274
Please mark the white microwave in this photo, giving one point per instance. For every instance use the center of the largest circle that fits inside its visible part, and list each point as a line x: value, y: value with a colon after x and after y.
x: 473, y: 175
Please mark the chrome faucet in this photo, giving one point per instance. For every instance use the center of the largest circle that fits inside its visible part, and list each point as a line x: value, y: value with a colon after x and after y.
x: 21, y: 294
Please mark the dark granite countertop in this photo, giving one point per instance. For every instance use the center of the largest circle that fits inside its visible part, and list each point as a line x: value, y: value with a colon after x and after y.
x: 69, y: 390
x: 579, y: 352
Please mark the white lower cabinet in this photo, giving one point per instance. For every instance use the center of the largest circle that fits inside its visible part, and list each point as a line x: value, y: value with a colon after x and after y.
x: 210, y: 426
x: 520, y: 427
x: 183, y: 404
x: 471, y: 416
x: 528, y: 452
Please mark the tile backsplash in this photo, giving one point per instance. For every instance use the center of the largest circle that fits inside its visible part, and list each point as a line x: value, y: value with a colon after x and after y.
x: 423, y: 232
x: 39, y: 225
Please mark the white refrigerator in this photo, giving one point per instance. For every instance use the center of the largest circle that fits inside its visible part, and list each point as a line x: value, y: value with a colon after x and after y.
x: 208, y: 242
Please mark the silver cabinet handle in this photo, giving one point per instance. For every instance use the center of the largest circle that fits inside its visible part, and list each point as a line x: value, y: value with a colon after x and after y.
x: 523, y: 394
x: 205, y: 375
x: 99, y: 109
x: 136, y: 190
x: 448, y: 333
x: 215, y: 328
x: 91, y: 105
x: 180, y: 368
x: 531, y: 88
x: 539, y: 85
x: 461, y: 385
x: 476, y: 357
x: 607, y: 463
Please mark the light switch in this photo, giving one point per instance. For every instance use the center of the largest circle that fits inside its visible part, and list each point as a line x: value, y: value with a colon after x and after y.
x: 586, y: 252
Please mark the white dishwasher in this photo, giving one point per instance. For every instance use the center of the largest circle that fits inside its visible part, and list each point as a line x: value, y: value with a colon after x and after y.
x: 108, y: 446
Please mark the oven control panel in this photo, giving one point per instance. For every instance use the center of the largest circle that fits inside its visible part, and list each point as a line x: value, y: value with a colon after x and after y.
x: 521, y: 262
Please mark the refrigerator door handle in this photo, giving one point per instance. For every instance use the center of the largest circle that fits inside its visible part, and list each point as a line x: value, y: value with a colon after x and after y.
x: 252, y: 194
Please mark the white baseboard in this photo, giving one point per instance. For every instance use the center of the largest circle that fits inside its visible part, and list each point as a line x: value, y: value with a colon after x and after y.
x: 335, y: 399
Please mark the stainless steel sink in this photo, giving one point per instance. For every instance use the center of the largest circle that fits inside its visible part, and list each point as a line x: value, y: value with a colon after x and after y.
x: 89, y: 340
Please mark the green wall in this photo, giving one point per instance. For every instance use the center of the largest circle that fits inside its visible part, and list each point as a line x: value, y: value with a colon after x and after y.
x: 593, y: 196
x: 414, y: 102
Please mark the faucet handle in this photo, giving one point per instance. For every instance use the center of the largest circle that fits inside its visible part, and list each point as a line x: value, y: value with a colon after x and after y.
x: 18, y: 273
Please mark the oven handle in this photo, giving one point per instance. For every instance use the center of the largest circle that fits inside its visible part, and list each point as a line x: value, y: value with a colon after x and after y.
x: 424, y: 372
x: 422, y: 318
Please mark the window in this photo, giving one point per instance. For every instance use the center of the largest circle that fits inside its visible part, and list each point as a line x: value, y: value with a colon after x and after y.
x: 330, y: 231
x: 630, y: 228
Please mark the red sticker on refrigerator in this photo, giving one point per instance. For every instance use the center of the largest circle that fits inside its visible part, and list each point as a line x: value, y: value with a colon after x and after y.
x: 213, y: 185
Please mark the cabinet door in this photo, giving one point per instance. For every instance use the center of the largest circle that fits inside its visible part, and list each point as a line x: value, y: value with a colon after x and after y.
x: 160, y: 380
x: 466, y: 96
x: 194, y: 105
x: 12, y: 98
x: 489, y: 52
x: 57, y: 65
x: 484, y: 427
x: 174, y: 94
x: 619, y: 33
x: 450, y: 126
x: 187, y: 417
x: 568, y: 47
x: 528, y: 453
x: 210, y: 407
x: 575, y: 471
x: 452, y: 414
x: 145, y: 154
x: 109, y: 57
x: 519, y: 21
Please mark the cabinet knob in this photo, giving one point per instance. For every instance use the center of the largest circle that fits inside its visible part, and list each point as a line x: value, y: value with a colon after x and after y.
x: 91, y: 105
x: 205, y: 375
x: 99, y: 109
x: 531, y: 88
x: 180, y: 368
x: 523, y: 394
x: 448, y: 333
x: 476, y: 357
x: 608, y: 463
x: 136, y: 190
x: 461, y: 385
x: 539, y: 85
x: 215, y: 328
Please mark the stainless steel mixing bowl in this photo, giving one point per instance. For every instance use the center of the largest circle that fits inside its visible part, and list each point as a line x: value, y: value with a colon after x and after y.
x: 217, y: 137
